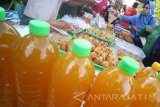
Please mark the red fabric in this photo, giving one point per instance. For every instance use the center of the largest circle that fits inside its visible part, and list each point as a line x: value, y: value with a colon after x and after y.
x: 98, y: 7
x: 129, y: 12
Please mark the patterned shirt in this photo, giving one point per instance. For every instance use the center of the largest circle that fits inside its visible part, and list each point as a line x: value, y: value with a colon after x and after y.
x: 43, y: 9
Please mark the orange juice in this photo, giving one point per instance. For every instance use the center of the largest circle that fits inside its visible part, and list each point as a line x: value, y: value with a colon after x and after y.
x: 147, y: 92
x: 114, y: 87
x: 71, y: 77
x: 8, y: 35
x: 149, y: 71
x: 33, y: 59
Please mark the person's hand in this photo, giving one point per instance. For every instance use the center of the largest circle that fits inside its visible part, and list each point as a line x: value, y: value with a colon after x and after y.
x: 149, y: 30
x: 134, y: 28
x: 92, y: 2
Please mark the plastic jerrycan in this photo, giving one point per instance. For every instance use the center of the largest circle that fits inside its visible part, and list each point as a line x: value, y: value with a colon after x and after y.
x: 8, y: 37
x: 114, y: 87
x: 72, y: 75
x: 34, y: 56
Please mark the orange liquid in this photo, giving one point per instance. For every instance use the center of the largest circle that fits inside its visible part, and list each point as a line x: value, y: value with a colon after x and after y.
x: 146, y: 72
x: 71, y: 79
x: 8, y: 36
x: 33, y: 59
x: 112, y: 88
x: 147, y: 93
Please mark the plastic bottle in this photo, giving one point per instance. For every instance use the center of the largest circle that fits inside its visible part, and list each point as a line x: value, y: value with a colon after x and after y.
x: 114, y: 87
x: 8, y: 35
x: 33, y: 58
x: 149, y: 71
x: 72, y: 75
x: 147, y: 92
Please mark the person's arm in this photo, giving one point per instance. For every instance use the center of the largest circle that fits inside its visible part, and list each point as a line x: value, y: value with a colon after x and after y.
x: 146, y: 31
x: 131, y: 20
x: 60, y: 25
x: 87, y: 9
x: 150, y: 29
x: 128, y: 19
x: 75, y: 3
x: 86, y: 1
x: 125, y: 18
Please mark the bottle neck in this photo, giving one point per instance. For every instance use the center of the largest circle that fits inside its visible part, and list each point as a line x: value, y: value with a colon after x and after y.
x: 79, y: 56
x: 124, y: 73
x: 45, y: 36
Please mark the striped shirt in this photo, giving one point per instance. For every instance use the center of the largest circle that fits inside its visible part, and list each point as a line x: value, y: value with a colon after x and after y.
x: 43, y: 9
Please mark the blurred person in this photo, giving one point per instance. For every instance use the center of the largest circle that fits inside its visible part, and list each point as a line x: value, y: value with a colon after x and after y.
x: 154, y: 55
x: 71, y: 8
x: 151, y: 3
x: 152, y: 34
x: 98, y: 8
x: 138, y: 22
x: 131, y: 11
x: 123, y: 9
x: 116, y: 7
x: 94, y: 8
x: 24, y: 20
x: 42, y: 9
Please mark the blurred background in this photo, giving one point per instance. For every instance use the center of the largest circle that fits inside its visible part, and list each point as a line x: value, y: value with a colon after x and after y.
x: 13, y: 4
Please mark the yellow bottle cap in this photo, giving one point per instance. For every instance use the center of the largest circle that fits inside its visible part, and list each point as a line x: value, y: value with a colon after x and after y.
x: 156, y: 66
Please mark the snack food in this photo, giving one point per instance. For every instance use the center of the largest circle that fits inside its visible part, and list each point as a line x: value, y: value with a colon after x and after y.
x: 125, y: 35
x: 59, y: 38
x: 121, y: 54
x: 101, y: 54
x: 104, y: 33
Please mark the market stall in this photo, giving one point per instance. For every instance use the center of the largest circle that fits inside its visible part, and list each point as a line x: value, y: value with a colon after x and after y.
x: 109, y: 44
x: 78, y: 67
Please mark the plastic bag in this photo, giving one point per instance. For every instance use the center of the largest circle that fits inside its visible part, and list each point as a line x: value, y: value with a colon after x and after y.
x: 99, y: 21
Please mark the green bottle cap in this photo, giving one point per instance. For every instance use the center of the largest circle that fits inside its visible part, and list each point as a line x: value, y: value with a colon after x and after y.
x: 2, y: 14
x: 158, y: 75
x: 129, y: 65
x: 39, y: 28
x: 81, y: 47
